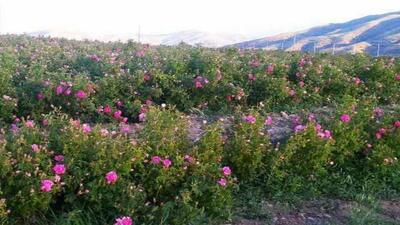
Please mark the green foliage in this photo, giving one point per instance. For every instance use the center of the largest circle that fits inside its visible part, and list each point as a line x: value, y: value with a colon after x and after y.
x: 302, y: 165
x: 186, y: 191
x: 7, y: 94
x: 21, y: 172
x: 248, y: 149
x: 123, y: 108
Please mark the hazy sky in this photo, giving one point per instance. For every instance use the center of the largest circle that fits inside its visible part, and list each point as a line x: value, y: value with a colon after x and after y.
x: 251, y: 17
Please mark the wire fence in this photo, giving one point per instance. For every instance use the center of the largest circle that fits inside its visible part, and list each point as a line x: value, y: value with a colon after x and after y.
x: 376, y: 48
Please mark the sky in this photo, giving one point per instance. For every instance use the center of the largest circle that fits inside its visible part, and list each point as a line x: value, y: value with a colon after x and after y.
x: 246, y: 17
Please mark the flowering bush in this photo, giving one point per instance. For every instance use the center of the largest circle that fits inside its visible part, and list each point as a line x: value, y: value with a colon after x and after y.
x: 112, y: 173
x: 102, y: 133
x: 178, y: 177
x: 248, y: 149
x: 3, y: 203
x: 7, y: 99
x: 302, y: 165
x: 383, y: 155
x: 22, y: 171
x: 80, y: 77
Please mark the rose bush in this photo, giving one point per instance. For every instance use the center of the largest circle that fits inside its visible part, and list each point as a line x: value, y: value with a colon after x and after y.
x: 102, y: 133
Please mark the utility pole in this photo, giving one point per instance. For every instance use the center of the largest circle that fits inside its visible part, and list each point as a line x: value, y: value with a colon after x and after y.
x: 378, y: 51
x: 1, y: 19
x: 139, y: 34
x: 315, y: 48
x: 333, y: 48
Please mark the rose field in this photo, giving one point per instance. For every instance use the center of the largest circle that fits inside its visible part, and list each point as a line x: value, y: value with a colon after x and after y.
x: 126, y: 133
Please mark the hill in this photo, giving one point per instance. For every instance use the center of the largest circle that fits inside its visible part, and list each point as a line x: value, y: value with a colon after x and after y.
x: 374, y: 34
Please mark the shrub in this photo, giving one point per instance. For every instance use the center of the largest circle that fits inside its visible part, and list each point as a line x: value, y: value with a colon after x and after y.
x: 71, y: 166
x: 23, y: 167
x: 4, y: 168
x: 383, y: 156
x: 189, y: 188
x: 248, y: 149
x: 301, y: 166
x: 89, y: 155
x: 73, y: 156
x: 8, y: 102
x: 3, y: 211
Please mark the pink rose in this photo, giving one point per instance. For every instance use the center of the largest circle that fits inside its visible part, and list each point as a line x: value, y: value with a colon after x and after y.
x: 67, y: 92
x: 249, y: 119
x: 111, y: 177
x: 147, y: 77
x: 251, y: 77
x: 107, y: 109
x: 86, y: 128
x: 59, y: 158
x: 46, y: 185
x: 357, y: 80
x: 198, y: 85
x: 142, y: 117
x: 155, y: 159
x: 104, y: 132
x: 299, y: 128
x: 80, y: 95
x: 118, y: 115
x: 123, y: 221
x: 30, y: 123
x: 40, y: 96
x: 345, y: 118
x: 268, y: 121
x: 35, y: 148
x: 222, y: 182
x: 119, y: 104
x: 166, y: 163
x: 124, y: 128
x: 59, y: 169
x: 270, y: 69
x: 226, y: 170
x: 59, y: 90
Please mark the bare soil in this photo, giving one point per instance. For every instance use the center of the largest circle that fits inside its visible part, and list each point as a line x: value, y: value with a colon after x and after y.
x: 321, y: 212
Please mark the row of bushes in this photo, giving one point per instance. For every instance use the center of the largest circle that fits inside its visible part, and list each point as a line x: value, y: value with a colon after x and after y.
x: 69, y: 153
x: 40, y: 74
x: 158, y: 176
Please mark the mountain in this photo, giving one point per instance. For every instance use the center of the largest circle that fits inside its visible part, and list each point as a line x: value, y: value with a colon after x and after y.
x: 375, y: 34
x: 202, y: 38
x: 191, y: 37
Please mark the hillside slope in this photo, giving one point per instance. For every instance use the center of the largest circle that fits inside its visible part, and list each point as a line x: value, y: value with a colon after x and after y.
x: 365, y: 34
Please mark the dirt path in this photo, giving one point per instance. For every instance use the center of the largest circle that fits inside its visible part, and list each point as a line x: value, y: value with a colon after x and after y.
x: 328, y: 212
